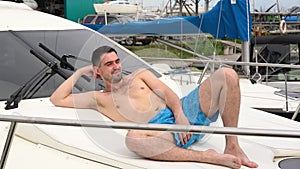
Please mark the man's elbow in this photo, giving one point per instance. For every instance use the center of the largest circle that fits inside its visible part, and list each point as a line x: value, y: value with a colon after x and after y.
x: 61, y: 102
x: 54, y: 101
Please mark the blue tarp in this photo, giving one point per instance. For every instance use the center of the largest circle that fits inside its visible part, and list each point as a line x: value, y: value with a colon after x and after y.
x: 292, y: 18
x: 225, y: 19
x: 235, y: 20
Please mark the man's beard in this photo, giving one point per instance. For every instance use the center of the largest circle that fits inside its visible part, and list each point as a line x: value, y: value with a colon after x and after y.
x: 116, y: 79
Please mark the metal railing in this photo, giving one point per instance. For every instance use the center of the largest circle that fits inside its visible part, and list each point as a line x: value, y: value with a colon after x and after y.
x: 226, y: 63
x: 296, y: 112
x: 222, y: 62
x: 136, y: 126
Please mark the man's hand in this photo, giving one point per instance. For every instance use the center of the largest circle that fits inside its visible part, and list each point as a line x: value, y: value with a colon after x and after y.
x: 184, y: 137
x: 87, y: 70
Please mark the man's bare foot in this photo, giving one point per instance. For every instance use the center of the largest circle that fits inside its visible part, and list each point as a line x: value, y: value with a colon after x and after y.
x: 238, y: 152
x: 227, y: 160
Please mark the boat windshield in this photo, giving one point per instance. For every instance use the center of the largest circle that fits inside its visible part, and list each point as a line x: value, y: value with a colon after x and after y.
x: 18, y: 64
x: 125, y: 19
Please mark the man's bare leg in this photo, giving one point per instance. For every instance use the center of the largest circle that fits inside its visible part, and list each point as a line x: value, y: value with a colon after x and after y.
x: 221, y: 92
x: 161, y: 146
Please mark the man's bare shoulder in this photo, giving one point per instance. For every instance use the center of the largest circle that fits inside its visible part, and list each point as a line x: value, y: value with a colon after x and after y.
x: 142, y: 72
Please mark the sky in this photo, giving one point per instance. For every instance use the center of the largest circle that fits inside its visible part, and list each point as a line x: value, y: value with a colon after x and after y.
x: 258, y: 4
x: 285, y: 4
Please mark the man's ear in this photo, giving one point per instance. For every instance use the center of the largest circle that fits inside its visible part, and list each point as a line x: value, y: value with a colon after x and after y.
x: 96, y: 73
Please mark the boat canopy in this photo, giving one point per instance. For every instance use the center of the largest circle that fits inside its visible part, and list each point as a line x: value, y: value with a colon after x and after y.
x: 231, y: 19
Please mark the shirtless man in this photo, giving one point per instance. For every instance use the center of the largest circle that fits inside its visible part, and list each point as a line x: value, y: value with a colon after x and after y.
x: 141, y: 97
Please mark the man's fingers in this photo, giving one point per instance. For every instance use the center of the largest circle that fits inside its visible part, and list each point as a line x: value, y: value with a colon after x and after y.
x: 181, y: 139
x: 184, y: 137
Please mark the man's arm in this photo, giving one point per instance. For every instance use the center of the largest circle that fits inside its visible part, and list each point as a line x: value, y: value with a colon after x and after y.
x: 171, y: 99
x: 63, y: 96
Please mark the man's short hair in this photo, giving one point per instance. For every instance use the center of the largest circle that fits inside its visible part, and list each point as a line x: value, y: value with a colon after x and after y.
x: 98, y: 53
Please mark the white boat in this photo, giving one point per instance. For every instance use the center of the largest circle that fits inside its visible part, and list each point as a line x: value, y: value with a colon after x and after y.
x: 31, y: 3
x: 28, y: 40
x: 121, y: 7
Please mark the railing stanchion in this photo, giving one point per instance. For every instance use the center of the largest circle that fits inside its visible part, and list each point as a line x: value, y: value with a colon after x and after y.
x: 286, y: 93
x: 296, y: 112
x: 8, y: 143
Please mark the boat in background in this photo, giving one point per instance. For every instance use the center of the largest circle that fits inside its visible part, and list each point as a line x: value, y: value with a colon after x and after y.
x: 31, y: 3
x: 40, y: 51
x: 118, y: 7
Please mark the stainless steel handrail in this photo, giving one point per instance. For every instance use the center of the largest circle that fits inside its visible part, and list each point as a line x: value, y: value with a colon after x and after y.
x: 296, y: 112
x: 7, y: 145
x: 157, y: 127
x: 137, y: 126
x: 226, y: 62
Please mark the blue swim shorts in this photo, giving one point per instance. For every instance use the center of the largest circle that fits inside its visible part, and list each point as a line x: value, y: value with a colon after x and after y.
x: 191, y: 108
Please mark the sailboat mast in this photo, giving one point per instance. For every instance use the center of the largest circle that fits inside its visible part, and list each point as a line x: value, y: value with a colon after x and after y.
x: 246, y: 56
x: 278, y: 8
x: 246, y: 44
x: 206, y: 6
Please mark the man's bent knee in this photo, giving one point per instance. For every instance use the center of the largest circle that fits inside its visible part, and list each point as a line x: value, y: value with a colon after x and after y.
x: 131, y: 140
x: 231, y: 72
x: 149, y: 144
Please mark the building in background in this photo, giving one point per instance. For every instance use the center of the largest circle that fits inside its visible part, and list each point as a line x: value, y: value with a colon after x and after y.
x: 78, y: 9
x: 73, y: 10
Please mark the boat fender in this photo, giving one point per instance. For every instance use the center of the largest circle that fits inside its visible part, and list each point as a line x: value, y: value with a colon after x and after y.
x: 282, y: 26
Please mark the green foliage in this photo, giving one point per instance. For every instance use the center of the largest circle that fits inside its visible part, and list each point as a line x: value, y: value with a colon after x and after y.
x: 158, y: 50
x: 202, y: 44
